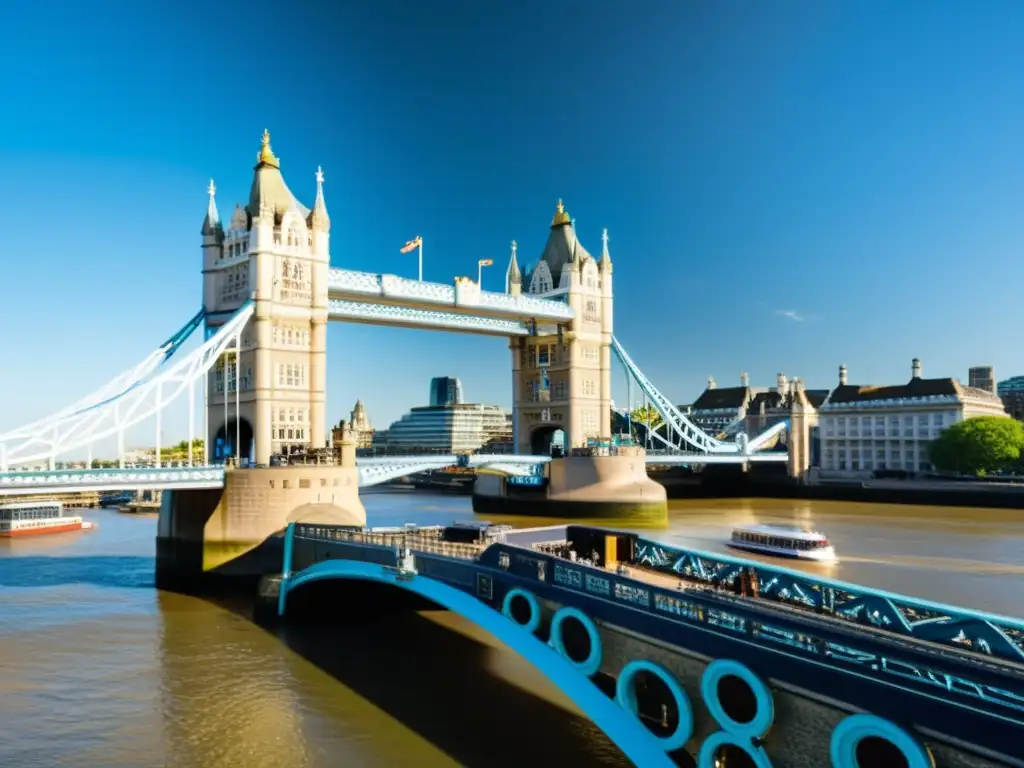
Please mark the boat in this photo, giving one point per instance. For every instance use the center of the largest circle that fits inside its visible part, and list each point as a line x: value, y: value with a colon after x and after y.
x: 37, y: 517
x: 781, y: 541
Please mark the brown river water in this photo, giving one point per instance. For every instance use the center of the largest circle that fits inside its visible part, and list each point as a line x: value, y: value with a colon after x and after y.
x: 99, y: 669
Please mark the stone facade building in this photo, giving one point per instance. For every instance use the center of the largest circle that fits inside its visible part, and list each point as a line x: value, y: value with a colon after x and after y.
x: 269, y: 396
x: 867, y: 428
x: 562, y: 373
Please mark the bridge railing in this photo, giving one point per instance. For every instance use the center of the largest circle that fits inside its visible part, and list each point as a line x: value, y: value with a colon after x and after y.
x: 420, y: 541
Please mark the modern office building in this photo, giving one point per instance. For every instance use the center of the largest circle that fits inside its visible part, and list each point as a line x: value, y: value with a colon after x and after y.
x: 445, y: 390
x: 447, y: 425
x: 982, y: 377
x: 1011, y: 392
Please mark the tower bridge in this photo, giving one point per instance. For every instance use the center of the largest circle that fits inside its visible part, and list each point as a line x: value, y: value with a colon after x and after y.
x: 259, y: 378
x: 814, y: 657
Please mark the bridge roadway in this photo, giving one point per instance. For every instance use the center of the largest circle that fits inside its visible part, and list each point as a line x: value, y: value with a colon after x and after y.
x: 372, y: 471
x: 923, y: 682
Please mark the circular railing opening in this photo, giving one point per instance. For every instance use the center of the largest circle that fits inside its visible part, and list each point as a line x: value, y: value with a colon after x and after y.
x: 876, y: 752
x: 737, y: 698
x: 656, y: 706
x: 731, y: 756
x: 521, y: 610
x: 576, y: 639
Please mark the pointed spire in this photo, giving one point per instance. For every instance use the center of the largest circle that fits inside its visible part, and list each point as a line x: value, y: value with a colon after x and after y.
x: 513, y: 276
x: 606, y: 259
x: 318, y: 218
x: 266, y: 154
x: 560, y: 218
x: 211, y: 224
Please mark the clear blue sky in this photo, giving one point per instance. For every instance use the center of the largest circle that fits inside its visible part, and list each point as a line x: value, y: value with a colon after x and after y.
x: 859, y: 165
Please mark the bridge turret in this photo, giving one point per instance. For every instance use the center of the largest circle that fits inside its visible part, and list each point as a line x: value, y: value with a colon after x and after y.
x: 513, y: 278
x: 318, y: 221
x: 213, y: 245
x: 281, y: 370
x: 564, y: 371
x: 605, y: 264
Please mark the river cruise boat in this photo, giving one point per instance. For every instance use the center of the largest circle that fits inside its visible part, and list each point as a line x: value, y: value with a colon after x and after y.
x: 783, y: 542
x: 37, y: 517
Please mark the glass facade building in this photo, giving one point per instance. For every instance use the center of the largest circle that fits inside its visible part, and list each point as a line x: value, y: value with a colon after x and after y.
x: 445, y: 390
x: 446, y: 429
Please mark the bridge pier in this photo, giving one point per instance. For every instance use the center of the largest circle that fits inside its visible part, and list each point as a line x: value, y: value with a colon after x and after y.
x: 582, y: 485
x: 215, y: 538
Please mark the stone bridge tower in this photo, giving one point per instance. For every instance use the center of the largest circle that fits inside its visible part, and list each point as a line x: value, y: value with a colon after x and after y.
x: 562, y: 374
x: 276, y: 252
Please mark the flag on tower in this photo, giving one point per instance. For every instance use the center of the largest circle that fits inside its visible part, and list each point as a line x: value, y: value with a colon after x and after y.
x: 412, y: 245
x: 486, y: 262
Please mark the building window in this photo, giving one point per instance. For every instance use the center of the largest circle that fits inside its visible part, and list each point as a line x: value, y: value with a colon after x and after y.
x: 590, y: 311
x: 591, y: 354
x: 559, y: 390
x: 292, y: 375
x: 589, y: 388
x: 545, y: 354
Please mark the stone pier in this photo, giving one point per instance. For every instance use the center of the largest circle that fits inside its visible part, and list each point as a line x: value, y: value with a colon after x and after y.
x: 206, y: 537
x: 585, y: 484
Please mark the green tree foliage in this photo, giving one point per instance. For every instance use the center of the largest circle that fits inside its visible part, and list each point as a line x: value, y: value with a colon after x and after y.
x: 646, y: 415
x: 978, y: 446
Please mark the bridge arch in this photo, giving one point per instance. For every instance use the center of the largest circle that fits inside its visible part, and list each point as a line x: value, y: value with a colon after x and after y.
x: 544, y: 437
x: 224, y: 440
x: 627, y: 732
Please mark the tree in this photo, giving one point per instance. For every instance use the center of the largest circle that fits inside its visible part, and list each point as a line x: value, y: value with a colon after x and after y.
x: 978, y: 446
x: 647, y: 415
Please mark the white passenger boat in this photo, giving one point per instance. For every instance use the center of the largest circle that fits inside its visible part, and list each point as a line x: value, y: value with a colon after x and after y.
x: 784, y: 542
x: 37, y: 517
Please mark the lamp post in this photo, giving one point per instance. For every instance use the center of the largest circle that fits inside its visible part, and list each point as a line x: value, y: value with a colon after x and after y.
x: 480, y: 269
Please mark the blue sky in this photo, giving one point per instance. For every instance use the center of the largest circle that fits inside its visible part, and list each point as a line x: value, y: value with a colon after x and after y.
x: 787, y: 186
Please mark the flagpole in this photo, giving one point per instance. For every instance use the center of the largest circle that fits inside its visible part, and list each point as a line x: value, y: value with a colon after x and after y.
x: 421, y: 259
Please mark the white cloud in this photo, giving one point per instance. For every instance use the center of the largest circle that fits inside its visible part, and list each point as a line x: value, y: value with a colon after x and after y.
x: 792, y: 314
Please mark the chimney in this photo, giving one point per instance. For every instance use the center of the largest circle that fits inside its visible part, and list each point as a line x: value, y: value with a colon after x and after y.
x: 744, y: 379
x: 915, y: 368
x: 711, y: 382
x: 842, y: 375
x: 780, y: 383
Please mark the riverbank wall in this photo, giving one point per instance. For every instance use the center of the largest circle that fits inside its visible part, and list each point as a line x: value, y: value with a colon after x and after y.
x: 936, y: 493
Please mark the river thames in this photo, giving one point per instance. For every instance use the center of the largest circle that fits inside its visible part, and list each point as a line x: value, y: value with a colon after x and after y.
x: 100, y: 669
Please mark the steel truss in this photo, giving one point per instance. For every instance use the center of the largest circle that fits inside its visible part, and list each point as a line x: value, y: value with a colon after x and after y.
x: 130, y: 398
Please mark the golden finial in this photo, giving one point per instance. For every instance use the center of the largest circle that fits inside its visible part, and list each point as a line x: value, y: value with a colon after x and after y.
x: 561, y: 217
x: 266, y: 155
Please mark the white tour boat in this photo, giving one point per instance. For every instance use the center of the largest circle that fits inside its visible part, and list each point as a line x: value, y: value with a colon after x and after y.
x: 783, y: 542
x: 37, y: 517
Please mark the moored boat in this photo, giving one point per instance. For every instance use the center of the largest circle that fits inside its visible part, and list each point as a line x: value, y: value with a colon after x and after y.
x: 780, y: 541
x: 37, y: 517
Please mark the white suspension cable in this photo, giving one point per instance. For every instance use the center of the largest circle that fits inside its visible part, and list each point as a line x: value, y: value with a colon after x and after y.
x: 116, y: 386
x: 675, y: 421
x: 85, y: 426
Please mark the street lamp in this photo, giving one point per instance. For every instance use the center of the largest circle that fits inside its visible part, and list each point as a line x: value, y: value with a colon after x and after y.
x: 480, y: 269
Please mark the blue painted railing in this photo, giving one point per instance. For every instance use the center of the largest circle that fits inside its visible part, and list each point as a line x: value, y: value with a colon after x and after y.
x: 961, y: 628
